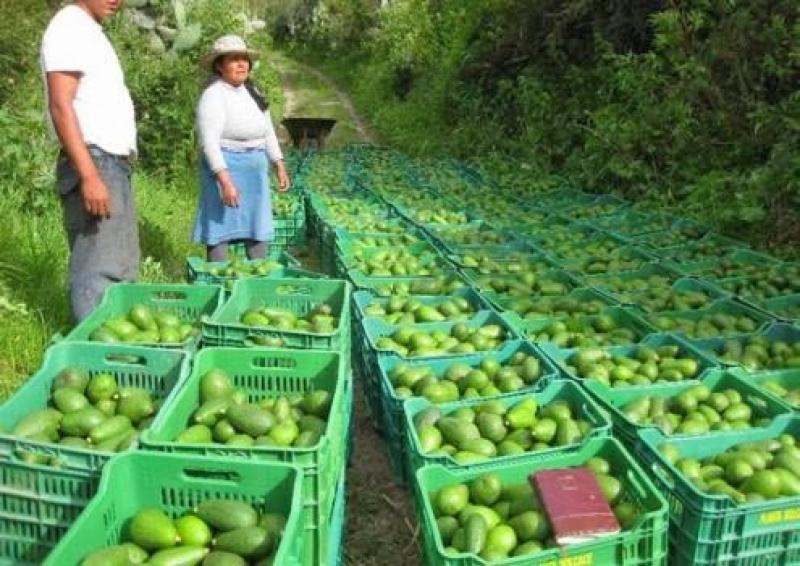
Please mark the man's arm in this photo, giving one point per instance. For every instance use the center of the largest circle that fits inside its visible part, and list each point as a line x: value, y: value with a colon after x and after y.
x: 62, y: 87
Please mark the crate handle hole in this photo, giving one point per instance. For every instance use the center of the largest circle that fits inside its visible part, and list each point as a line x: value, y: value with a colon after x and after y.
x: 211, y: 475
x: 128, y: 359
x: 169, y: 296
x: 273, y: 362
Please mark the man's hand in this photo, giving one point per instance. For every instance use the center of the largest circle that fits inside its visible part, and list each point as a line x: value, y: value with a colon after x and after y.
x: 95, y: 197
x: 284, y: 182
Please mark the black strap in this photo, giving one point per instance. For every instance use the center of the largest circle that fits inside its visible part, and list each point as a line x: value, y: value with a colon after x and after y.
x: 258, y: 96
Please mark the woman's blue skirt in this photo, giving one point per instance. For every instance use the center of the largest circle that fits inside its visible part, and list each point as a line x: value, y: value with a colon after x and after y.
x: 252, y: 220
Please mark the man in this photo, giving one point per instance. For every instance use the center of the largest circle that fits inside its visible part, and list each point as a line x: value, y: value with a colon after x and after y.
x: 92, y: 114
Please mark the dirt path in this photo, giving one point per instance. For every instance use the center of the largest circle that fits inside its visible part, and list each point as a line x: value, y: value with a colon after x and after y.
x: 361, y: 126
x: 381, y: 527
x: 309, y: 92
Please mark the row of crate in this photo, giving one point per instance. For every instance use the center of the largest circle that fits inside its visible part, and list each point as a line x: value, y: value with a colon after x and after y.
x: 60, y: 501
x: 704, y: 528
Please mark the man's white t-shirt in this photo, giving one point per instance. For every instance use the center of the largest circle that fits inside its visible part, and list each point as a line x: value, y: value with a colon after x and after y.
x: 75, y: 42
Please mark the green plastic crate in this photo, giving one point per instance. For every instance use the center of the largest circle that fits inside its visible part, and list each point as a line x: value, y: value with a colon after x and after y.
x: 623, y: 317
x: 160, y: 371
x: 787, y: 378
x: 785, y: 308
x: 198, y: 270
x: 606, y: 283
x: 743, y: 257
x: 441, y: 235
x: 439, y: 267
x: 375, y: 328
x: 486, y: 285
x: 722, y: 306
x: 387, y: 286
x: 628, y: 223
x: 176, y: 484
x: 561, y: 357
x: 38, y: 504
x: 775, y: 331
x: 298, y: 295
x: 683, y: 285
x: 560, y: 390
x: 710, y: 247
x: 500, y: 253
x: 290, y: 230
x: 336, y: 555
x: 614, y: 400
x: 263, y: 373
x: 645, y: 544
x: 362, y: 299
x: 577, y: 301
x: 712, y: 529
x: 190, y: 302
x: 583, y: 265
x: 390, y: 407
x: 603, y: 205
x: 679, y: 233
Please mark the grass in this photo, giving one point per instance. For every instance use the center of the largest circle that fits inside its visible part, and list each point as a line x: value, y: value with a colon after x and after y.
x: 34, y: 262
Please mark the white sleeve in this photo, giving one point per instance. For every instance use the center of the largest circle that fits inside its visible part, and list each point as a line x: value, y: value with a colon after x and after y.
x: 64, y: 48
x: 210, y: 123
x: 273, y: 147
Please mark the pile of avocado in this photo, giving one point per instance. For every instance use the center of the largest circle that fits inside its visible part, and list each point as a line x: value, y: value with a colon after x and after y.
x: 143, y: 324
x: 218, y: 532
x: 586, y: 331
x: 706, y: 325
x: 319, y: 320
x: 497, y: 521
x: 229, y: 416
x: 540, y: 307
x: 437, y: 285
x: 644, y: 366
x: 789, y: 394
x: 759, y: 352
x: 525, y: 284
x: 462, y: 234
x: 600, y: 247
x: 492, y: 429
x: 413, y: 341
x: 660, y: 299
x: 491, y: 264
x: 747, y: 473
x: 396, y: 262
x: 462, y: 381
x: 90, y: 412
x: 622, y: 260
x: 409, y: 310
x: 696, y: 410
x: 239, y: 269
x: 769, y: 282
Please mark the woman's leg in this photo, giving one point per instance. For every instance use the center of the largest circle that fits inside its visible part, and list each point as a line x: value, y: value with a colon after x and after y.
x: 256, y: 249
x: 218, y: 252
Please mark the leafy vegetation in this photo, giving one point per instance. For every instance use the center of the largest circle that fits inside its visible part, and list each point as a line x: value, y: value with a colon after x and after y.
x: 689, y: 105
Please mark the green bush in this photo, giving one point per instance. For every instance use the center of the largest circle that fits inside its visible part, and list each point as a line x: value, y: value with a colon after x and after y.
x: 689, y: 105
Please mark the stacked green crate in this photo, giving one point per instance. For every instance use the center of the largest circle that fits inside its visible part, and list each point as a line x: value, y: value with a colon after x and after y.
x: 264, y: 373
x: 718, y: 524
x: 161, y: 372
x: 177, y: 485
x: 641, y: 509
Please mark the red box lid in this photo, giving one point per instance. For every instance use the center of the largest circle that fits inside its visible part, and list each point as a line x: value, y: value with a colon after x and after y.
x: 573, y: 500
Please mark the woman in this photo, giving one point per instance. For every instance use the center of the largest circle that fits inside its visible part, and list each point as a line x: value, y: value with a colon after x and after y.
x: 237, y: 137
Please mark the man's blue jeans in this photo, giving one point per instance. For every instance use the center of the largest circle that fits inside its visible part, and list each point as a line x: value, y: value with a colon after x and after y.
x: 102, y: 250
